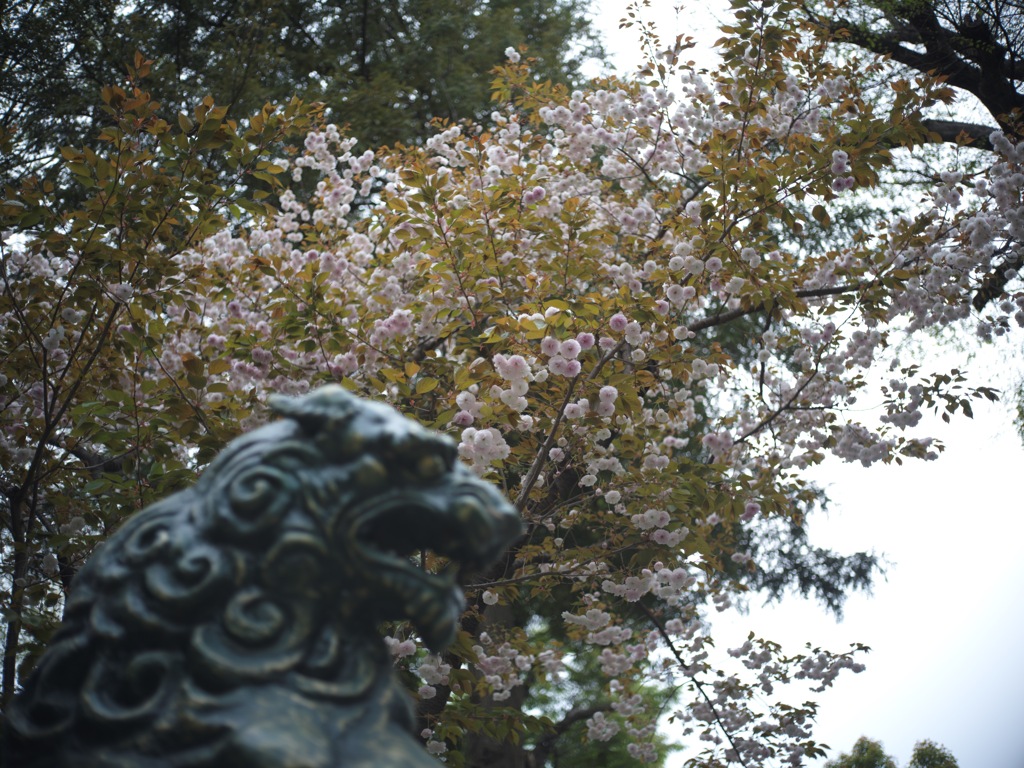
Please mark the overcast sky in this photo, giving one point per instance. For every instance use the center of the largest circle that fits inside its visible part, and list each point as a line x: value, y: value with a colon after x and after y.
x: 946, y: 625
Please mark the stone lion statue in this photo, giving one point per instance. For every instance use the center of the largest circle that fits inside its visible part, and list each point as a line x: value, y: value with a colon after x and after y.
x: 234, y: 624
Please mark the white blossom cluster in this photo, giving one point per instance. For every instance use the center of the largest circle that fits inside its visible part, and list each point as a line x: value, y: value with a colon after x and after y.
x: 503, y: 666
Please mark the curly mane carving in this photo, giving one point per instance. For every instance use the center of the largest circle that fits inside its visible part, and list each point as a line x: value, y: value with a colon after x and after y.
x: 234, y: 623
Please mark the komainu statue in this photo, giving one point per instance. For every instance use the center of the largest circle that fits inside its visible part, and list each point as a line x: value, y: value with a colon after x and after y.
x: 235, y: 624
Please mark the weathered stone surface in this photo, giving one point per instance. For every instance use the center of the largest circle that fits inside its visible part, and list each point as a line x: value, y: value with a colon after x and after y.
x: 235, y: 623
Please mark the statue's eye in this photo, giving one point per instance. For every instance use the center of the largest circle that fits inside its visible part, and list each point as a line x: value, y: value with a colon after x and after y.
x: 370, y: 474
x: 431, y: 466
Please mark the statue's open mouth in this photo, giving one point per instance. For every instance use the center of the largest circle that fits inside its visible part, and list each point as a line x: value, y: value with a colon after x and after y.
x: 463, y: 527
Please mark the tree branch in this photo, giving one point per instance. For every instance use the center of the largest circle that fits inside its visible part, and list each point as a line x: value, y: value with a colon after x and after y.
x: 697, y: 683
x: 955, y: 132
x: 967, y: 58
x: 938, y: 58
x: 994, y: 284
x: 728, y: 317
x: 544, y: 747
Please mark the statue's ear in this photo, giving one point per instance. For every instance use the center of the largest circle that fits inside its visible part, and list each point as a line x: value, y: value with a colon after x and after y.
x: 329, y: 405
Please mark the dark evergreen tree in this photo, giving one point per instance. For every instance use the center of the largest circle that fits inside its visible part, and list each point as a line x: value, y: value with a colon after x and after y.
x: 385, y: 68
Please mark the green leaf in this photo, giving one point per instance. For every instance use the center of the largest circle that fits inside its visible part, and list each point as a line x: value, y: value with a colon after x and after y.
x: 821, y: 215
x: 193, y: 365
x: 426, y: 385
x: 220, y: 365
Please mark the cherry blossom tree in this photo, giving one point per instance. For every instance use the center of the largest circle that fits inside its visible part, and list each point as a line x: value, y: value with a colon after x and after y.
x: 627, y: 305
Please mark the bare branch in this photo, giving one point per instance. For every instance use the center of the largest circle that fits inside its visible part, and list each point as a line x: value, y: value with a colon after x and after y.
x: 955, y: 132
x: 542, y: 751
x: 728, y: 317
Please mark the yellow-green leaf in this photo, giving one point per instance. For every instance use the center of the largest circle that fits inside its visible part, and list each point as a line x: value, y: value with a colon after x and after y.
x: 426, y: 385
